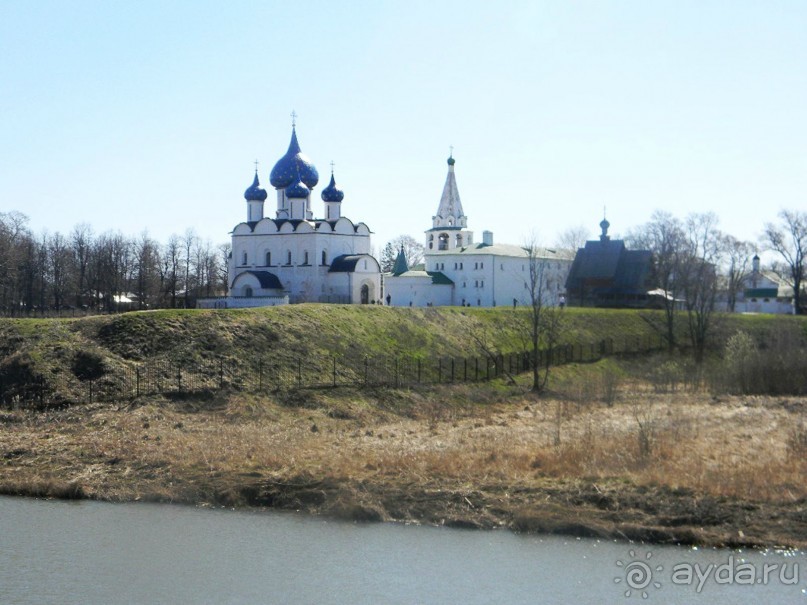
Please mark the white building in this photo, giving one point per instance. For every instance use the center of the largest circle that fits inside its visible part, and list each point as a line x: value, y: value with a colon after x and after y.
x: 764, y: 292
x: 460, y: 272
x: 292, y: 256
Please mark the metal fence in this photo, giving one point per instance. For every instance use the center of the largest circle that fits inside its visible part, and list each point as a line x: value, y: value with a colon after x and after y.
x: 266, y: 374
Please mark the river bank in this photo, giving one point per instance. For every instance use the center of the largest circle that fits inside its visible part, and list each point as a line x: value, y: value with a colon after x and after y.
x: 652, y: 466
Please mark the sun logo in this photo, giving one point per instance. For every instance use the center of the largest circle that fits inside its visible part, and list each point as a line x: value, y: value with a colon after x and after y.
x: 638, y: 574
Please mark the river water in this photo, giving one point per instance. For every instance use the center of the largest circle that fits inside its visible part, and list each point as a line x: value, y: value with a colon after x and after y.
x: 92, y: 552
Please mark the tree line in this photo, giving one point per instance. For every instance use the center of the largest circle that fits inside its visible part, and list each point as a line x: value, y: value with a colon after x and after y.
x: 699, y: 268
x: 696, y: 265
x: 105, y: 272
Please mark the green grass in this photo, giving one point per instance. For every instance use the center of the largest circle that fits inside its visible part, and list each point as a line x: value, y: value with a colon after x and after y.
x: 47, y: 349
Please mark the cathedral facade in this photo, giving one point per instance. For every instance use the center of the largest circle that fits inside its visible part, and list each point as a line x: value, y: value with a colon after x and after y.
x: 288, y: 255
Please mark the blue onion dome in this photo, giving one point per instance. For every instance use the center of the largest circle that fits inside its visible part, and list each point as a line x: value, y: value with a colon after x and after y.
x: 332, y: 193
x: 604, y: 224
x: 255, y: 193
x: 450, y: 160
x: 295, y: 161
x: 297, y: 190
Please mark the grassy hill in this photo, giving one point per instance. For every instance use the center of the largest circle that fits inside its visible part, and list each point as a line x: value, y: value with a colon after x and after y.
x: 60, y: 355
x: 614, y: 449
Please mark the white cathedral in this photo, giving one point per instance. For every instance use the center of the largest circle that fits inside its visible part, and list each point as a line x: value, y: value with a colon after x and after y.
x: 459, y: 272
x: 294, y: 257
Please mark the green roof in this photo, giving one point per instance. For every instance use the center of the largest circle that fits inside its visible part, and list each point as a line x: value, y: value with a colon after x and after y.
x: 400, y: 265
x: 761, y: 292
x: 440, y: 278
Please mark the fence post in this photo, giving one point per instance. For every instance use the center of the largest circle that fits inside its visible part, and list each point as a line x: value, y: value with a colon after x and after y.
x: 334, y: 371
x: 299, y: 371
x: 476, y: 369
x: 137, y: 381
x: 452, y: 369
x: 179, y: 378
x: 366, y: 363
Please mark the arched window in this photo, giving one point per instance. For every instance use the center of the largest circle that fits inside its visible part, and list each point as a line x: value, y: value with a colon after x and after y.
x: 288, y: 257
x: 268, y: 259
x: 305, y: 257
x: 324, y: 258
x: 431, y: 241
x: 459, y: 240
x: 244, y: 259
x: 443, y: 242
x: 248, y: 291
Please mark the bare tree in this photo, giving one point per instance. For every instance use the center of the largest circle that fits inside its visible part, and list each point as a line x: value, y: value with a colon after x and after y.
x: 697, y: 276
x: 40, y: 272
x: 664, y: 236
x: 51, y: 270
x: 223, y: 266
x: 571, y: 240
x: 412, y: 248
x: 14, y: 236
x: 737, y: 256
x: 145, y: 270
x: 81, y: 243
x: 171, y: 261
x: 789, y: 240
x: 203, y: 268
x: 59, y: 268
x: 544, y: 319
x: 188, y: 242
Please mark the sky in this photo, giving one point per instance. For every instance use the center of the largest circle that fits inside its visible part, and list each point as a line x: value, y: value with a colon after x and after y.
x: 134, y: 116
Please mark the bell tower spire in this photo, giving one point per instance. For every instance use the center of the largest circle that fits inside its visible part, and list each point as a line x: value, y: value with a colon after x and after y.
x: 450, y: 225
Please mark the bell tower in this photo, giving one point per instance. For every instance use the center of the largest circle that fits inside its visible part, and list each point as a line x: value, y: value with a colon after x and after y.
x: 450, y: 225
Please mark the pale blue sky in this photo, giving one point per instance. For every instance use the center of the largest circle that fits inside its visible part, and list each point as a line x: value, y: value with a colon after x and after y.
x: 149, y: 115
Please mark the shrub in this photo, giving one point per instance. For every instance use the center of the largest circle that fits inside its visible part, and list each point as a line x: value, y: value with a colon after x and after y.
x: 776, y: 366
x: 740, y: 357
x: 611, y: 380
x: 666, y: 377
x: 88, y: 366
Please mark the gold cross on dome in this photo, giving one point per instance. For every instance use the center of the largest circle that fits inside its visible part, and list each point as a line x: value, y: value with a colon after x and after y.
x: 293, y: 118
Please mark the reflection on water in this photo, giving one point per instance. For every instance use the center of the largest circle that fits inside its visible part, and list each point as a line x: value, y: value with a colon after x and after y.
x: 91, y: 552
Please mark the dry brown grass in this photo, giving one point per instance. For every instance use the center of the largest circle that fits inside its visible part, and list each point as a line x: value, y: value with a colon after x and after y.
x: 736, y: 447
